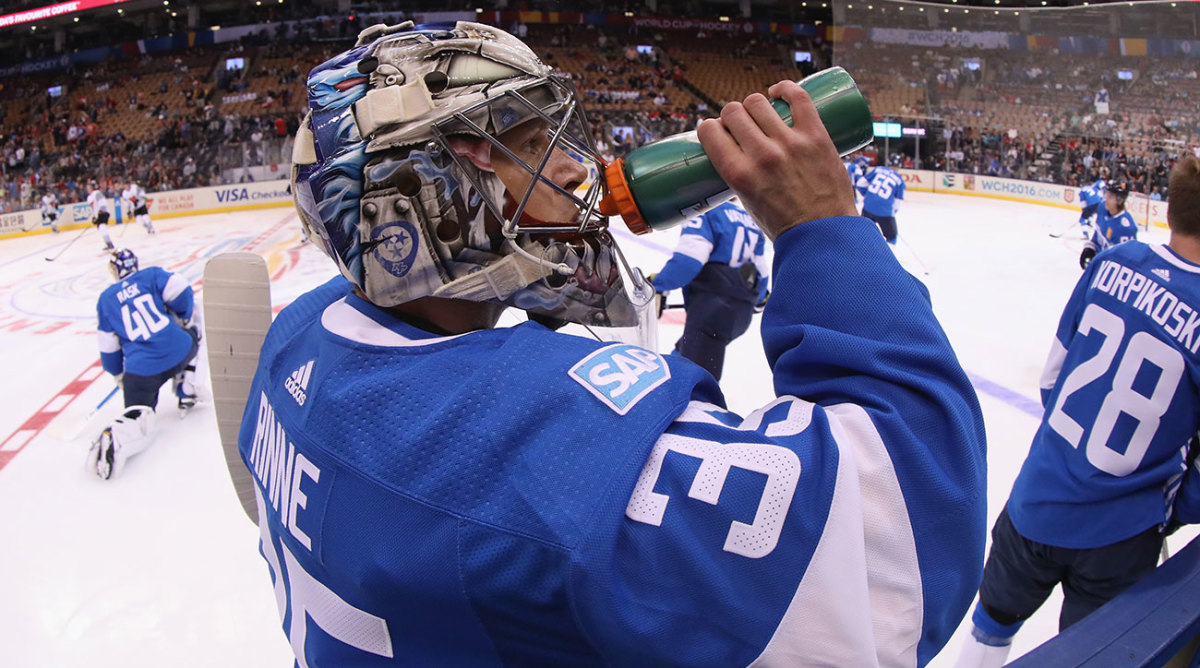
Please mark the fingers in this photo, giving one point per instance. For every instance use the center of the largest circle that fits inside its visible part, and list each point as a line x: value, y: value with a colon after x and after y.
x: 784, y: 175
x: 737, y: 143
x: 805, y: 118
x: 766, y: 118
x: 718, y: 144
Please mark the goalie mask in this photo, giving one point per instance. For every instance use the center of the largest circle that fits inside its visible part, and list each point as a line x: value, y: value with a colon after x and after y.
x: 122, y: 263
x: 450, y: 162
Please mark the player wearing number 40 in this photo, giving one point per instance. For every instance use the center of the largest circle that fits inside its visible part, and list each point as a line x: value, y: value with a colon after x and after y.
x: 148, y: 335
x: 1112, y: 468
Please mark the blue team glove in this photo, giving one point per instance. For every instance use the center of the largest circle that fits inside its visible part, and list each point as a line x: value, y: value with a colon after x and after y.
x: 660, y: 298
x: 758, y: 308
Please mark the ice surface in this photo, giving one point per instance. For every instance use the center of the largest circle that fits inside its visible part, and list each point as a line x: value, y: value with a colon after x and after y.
x: 159, y: 567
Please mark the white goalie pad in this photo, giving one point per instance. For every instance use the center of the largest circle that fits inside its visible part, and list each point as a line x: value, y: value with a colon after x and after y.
x: 134, y: 431
x: 128, y: 435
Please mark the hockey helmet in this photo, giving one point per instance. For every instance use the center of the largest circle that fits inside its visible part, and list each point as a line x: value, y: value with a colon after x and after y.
x: 122, y: 263
x: 1118, y: 188
x: 447, y: 160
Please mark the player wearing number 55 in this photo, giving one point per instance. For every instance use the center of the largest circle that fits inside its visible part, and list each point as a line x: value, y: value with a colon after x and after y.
x: 148, y: 335
x: 1112, y: 466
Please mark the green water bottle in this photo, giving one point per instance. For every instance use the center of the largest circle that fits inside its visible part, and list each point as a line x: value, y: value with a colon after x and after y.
x: 664, y: 183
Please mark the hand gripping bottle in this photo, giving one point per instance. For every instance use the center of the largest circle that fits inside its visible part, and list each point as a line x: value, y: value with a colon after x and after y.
x: 664, y: 183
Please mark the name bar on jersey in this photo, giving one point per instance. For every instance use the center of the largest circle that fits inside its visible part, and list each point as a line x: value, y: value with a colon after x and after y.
x: 1152, y: 298
x: 279, y: 468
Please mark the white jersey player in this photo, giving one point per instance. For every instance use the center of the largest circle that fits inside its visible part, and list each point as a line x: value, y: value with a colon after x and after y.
x: 134, y: 199
x: 50, y: 210
x: 101, y: 212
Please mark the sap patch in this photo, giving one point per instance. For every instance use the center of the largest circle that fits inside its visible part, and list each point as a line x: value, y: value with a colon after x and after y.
x: 620, y: 375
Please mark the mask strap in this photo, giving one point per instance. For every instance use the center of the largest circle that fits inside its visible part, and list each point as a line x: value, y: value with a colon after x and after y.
x: 503, y: 278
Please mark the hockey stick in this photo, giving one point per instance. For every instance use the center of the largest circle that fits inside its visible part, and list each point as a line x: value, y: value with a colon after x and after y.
x: 110, y: 395
x: 69, y: 244
x: 1072, y: 226
x: 237, y: 314
x: 81, y: 423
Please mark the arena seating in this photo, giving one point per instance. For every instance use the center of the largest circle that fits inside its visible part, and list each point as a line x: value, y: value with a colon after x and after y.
x: 1018, y: 114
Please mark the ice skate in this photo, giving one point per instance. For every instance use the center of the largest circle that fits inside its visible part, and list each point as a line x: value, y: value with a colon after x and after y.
x: 186, y: 403
x: 185, y: 390
x: 103, y: 455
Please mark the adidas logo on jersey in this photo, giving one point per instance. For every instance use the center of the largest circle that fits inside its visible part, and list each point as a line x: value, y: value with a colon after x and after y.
x: 297, y: 383
x: 1162, y: 273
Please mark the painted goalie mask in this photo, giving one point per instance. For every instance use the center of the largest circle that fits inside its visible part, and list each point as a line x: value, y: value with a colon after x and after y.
x: 449, y: 162
x: 122, y: 263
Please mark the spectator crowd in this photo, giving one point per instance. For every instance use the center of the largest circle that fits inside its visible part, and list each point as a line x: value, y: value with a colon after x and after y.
x: 213, y: 114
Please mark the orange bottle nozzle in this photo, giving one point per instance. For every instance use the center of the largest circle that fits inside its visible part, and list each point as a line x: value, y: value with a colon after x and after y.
x: 619, y: 200
x: 608, y: 206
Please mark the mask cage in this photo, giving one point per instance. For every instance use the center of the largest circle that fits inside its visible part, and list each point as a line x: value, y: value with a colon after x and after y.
x: 568, y: 130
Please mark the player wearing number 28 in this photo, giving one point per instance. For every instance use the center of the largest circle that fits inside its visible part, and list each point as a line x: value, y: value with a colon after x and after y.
x: 434, y: 490
x: 1112, y: 466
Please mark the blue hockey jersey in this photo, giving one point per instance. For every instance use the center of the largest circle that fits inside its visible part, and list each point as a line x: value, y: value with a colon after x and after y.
x: 523, y: 497
x: 136, y: 331
x: 1093, y: 194
x: 1111, y: 230
x: 855, y: 169
x: 1122, y: 394
x: 726, y: 235
x: 881, y: 189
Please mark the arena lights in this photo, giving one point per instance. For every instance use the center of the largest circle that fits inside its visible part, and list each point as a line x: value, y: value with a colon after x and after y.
x: 50, y: 11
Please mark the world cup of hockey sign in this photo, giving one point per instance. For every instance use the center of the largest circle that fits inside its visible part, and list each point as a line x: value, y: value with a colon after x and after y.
x: 692, y: 24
